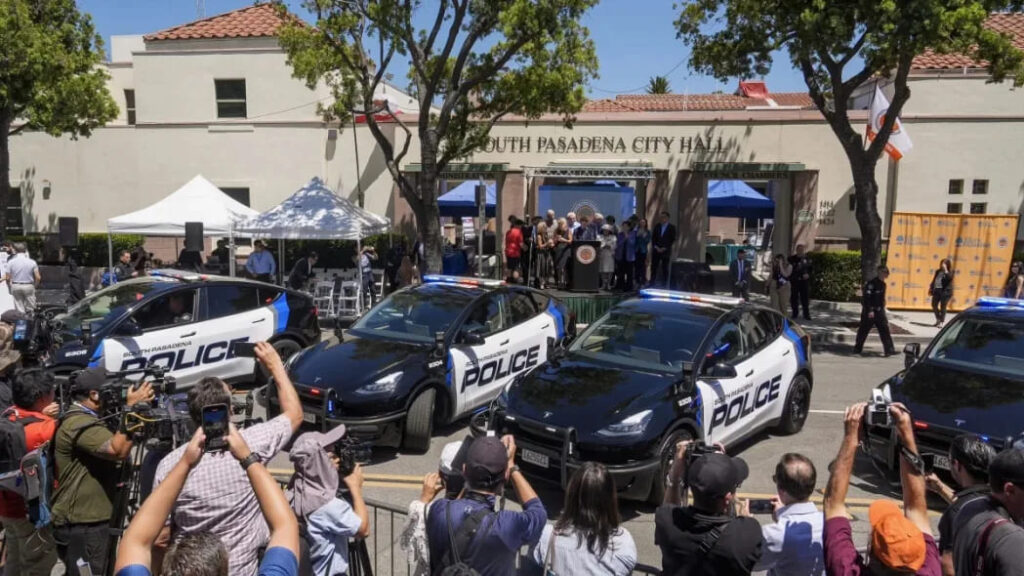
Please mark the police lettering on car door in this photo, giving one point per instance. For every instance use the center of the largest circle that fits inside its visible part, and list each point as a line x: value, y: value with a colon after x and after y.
x: 497, y: 367
x: 179, y: 356
x: 742, y: 402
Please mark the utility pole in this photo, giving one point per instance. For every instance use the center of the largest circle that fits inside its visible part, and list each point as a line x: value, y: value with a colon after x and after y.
x: 200, y: 9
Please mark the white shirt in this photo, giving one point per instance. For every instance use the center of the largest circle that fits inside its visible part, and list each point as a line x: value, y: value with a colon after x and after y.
x: 22, y: 269
x: 573, y: 556
x: 793, y: 546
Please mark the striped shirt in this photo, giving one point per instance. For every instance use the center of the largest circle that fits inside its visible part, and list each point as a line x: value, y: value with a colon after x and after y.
x: 571, y: 555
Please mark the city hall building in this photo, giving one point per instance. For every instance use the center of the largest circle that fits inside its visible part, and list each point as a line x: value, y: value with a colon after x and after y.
x: 216, y: 97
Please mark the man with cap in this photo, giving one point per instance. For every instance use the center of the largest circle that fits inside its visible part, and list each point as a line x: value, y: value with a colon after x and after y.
x: 900, y: 542
x: 330, y: 521
x: 88, y: 460
x: 492, y: 548
x: 993, y: 536
x: 705, y: 538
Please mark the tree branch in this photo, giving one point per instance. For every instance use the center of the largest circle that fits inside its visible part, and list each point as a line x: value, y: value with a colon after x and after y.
x: 854, y: 50
x: 449, y: 45
x: 857, y: 79
x: 449, y: 155
x: 482, y: 74
x: 441, y: 11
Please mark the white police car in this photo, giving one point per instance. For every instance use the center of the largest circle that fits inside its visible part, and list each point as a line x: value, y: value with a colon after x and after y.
x: 653, y: 371
x: 182, y: 321
x: 427, y: 354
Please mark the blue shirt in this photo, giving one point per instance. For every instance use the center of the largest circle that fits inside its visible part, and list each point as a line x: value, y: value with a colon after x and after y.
x: 643, y: 240
x: 276, y: 562
x: 793, y: 545
x: 510, y: 532
x: 261, y: 263
x: 329, y: 528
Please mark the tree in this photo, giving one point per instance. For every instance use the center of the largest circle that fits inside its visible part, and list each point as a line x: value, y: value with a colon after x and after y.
x: 838, y: 46
x: 50, y: 79
x: 658, y: 85
x: 479, y: 61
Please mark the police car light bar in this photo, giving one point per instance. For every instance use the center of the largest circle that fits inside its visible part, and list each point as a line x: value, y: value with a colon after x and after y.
x: 177, y: 275
x: 689, y: 297
x: 990, y: 302
x: 464, y: 280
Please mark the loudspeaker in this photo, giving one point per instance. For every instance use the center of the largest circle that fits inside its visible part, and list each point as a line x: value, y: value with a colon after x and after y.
x: 67, y: 231
x: 194, y: 236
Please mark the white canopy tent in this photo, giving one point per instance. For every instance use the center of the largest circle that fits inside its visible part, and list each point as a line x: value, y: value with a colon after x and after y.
x: 315, y: 212
x: 197, y: 201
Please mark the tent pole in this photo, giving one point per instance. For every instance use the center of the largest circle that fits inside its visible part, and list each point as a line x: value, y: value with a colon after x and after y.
x: 280, y: 269
x: 110, y: 255
x: 231, y: 251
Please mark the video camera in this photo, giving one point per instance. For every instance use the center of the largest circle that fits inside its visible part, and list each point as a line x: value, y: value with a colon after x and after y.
x: 350, y: 452
x: 696, y: 449
x: 30, y: 335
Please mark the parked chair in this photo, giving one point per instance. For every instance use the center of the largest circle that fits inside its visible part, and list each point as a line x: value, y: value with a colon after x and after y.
x: 347, y: 299
x: 323, y: 299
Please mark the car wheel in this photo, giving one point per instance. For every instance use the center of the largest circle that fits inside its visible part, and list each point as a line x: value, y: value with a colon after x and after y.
x: 668, y: 455
x: 286, y: 348
x: 419, y: 422
x: 798, y: 405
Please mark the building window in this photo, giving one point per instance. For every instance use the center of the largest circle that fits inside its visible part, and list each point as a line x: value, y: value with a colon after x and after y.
x: 978, y: 207
x: 747, y: 225
x: 240, y: 195
x: 230, y: 98
x: 980, y: 187
x: 954, y: 208
x: 956, y: 186
x: 129, y: 106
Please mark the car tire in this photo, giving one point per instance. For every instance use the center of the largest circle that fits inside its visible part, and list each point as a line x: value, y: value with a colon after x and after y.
x: 419, y: 422
x: 286, y: 348
x: 798, y: 405
x: 667, y: 456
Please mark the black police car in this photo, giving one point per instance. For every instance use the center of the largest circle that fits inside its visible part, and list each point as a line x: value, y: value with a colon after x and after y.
x: 427, y: 354
x: 181, y: 321
x: 653, y: 371
x: 969, y: 379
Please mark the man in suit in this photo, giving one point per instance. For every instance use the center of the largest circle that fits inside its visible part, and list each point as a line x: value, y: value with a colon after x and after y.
x: 739, y: 275
x: 662, y: 238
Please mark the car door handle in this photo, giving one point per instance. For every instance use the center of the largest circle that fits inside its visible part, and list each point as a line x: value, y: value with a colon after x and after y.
x: 258, y: 321
x: 503, y: 343
x: 546, y: 326
x: 786, y: 353
x: 189, y: 335
x: 749, y: 374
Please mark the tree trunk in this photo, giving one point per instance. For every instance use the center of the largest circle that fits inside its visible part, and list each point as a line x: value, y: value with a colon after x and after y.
x: 865, y: 189
x: 5, y: 173
x: 428, y: 214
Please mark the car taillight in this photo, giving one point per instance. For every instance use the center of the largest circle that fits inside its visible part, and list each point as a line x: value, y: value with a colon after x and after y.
x: 920, y: 425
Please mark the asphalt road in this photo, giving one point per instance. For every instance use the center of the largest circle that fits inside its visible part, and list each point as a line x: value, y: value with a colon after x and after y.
x: 840, y: 379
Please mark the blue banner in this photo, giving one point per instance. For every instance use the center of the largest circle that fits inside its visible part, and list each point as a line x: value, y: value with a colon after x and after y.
x: 618, y: 201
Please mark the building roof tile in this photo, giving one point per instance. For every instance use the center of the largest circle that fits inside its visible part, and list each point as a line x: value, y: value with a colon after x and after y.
x: 694, y: 102
x: 261, y: 20
x: 1007, y: 23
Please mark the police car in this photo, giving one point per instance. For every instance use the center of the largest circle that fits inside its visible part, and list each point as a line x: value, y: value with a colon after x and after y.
x: 426, y: 355
x: 969, y: 379
x: 182, y: 321
x: 653, y: 371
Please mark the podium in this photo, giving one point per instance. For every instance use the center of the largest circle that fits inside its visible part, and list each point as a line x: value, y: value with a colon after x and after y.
x: 583, y: 270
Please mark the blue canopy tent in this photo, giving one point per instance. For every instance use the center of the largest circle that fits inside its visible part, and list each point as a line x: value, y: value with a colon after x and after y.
x: 735, y: 199
x: 461, y: 200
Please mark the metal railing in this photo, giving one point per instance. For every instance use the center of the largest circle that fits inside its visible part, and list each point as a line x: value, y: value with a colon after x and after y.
x: 388, y: 559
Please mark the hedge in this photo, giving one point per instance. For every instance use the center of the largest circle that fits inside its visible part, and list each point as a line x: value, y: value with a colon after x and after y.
x: 836, y: 275
x: 92, y: 246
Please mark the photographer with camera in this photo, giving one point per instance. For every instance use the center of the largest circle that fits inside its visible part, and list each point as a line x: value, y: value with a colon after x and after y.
x: 900, y: 541
x: 969, y: 458
x: 88, y: 458
x: 705, y: 538
x: 447, y: 479
x: 217, y: 497
x: 201, y: 553
x: 329, y: 520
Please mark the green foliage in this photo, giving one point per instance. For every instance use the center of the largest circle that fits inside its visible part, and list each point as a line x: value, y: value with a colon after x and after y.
x: 658, y: 85
x: 836, y: 275
x: 92, y: 247
x: 50, y: 78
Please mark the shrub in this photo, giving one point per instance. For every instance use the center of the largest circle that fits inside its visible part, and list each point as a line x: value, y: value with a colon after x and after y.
x: 836, y: 275
x: 91, y: 246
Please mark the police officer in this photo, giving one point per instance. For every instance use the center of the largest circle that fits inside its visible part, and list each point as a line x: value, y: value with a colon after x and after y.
x: 873, y: 313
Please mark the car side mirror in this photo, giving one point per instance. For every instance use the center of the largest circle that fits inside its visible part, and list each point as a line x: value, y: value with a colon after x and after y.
x: 129, y: 328
x: 439, y: 350
x: 720, y: 371
x: 910, y: 354
x: 472, y: 338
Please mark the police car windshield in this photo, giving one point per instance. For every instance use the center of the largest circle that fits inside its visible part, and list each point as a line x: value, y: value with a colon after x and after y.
x: 415, y: 314
x: 982, y: 343
x: 650, y: 336
x: 101, y: 307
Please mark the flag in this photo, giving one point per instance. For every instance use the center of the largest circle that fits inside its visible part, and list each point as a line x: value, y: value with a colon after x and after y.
x: 899, y: 141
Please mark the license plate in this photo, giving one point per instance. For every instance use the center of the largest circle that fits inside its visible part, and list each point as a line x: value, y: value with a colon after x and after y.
x: 942, y: 462
x: 535, y: 458
x: 309, y: 417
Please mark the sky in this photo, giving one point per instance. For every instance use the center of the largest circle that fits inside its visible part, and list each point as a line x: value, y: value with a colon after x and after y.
x: 635, y: 40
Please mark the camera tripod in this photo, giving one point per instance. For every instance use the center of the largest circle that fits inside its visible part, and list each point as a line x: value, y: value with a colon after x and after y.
x: 126, y: 503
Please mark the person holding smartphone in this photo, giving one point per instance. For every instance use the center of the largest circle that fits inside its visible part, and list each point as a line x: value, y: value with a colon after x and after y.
x: 792, y: 543
x: 217, y: 497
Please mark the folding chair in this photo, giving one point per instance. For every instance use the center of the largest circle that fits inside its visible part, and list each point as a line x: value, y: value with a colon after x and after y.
x: 323, y: 299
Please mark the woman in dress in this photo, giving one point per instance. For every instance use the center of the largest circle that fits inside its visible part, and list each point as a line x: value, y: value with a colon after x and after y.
x: 563, y: 240
x: 941, y: 290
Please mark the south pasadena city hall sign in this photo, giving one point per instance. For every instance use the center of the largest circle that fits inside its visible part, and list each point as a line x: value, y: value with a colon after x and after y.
x: 603, y: 144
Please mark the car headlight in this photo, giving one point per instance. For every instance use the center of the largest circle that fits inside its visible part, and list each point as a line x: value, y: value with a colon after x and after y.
x: 632, y: 426
x: 381, y: 386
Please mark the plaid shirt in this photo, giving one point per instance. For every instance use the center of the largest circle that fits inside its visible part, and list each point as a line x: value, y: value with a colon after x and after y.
x: 218, y: 498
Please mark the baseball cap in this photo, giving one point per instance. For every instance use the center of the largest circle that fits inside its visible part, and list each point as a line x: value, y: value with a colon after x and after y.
x: 486, y: 460
x: 715, y: 475
x: 449, y: 454
x: 90, y: 379
x: 1007, y: 466
x: 895, y: 540
x: 323, y: 439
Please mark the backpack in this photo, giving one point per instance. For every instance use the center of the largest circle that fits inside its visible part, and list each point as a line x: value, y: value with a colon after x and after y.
x: 12, y: 441
x: 27, y: 474
x: 461, y: 539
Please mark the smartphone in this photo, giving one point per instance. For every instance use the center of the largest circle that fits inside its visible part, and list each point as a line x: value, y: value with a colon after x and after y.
x: 215, y: 426
x: 761, y: 506
x: 929, y: 462
x: 243, y: 349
